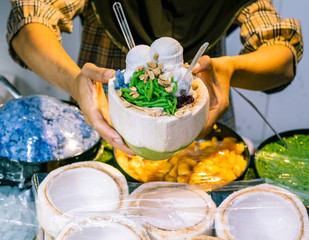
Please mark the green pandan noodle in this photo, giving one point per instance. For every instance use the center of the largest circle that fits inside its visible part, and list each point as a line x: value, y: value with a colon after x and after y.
x: 151, y: 94
x: 288, y: 167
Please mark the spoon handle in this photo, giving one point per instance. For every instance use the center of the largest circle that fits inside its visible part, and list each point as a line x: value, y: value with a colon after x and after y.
x: 121, y: 18
x: 192, y: 65
x: 197, y: 57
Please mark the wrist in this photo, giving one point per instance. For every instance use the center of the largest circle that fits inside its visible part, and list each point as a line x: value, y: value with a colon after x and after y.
x: 224, y: 67
x: 74, y: 83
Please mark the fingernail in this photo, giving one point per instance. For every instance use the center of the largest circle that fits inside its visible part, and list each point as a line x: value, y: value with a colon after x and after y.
x: 109, y: 73
x: 118, y: 140
x: 197, y: 66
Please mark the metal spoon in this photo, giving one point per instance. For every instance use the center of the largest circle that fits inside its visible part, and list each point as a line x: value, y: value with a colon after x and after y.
x: 197, y: 56
x: 261, y: 115
x: 123, y: 24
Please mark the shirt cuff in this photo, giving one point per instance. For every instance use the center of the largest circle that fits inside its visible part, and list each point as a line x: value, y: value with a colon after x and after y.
x: 286, y: 32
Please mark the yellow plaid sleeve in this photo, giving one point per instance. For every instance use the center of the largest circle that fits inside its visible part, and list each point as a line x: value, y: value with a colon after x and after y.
x: 56, y: 14
x: 261, y: 26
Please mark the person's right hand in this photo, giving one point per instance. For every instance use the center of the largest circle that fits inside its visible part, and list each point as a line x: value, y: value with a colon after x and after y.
x: 89, y: 94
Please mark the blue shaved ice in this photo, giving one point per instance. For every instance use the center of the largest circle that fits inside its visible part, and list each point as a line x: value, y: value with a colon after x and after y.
x: 41, y: 128
x: 119, y: 80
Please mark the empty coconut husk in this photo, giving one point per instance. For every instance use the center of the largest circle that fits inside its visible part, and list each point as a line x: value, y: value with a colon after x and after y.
x: 103, y: 226
x: 77, y: 189
x: 172, y: 210
x: 262, y: 212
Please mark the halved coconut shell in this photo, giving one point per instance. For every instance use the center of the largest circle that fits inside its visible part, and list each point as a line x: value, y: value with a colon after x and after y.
x: 104, y: 226
x: 77, y: 189
x: 262, y: 212
x: 172, y: 210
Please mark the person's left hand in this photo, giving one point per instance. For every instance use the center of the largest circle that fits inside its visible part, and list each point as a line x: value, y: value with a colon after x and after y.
x: 216, y: 74
x: 89, y: 94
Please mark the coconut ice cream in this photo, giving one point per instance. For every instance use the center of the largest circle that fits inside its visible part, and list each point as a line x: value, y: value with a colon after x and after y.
x: 170, y: 52
x: 138, y: 56
x: 155, y: 108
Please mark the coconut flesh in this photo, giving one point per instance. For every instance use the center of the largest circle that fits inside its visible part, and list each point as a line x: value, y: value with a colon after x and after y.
x: 76, y: 189
x: 171, y: 210
x: 105, y: 226
x: 263, y: 212
x: 149, y: 132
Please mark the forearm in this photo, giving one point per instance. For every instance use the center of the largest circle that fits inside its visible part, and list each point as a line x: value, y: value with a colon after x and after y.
x: 39, y: 48
x: 265, y: 69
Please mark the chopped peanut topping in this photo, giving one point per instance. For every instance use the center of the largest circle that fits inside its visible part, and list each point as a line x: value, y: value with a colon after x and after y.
x: 119, y: 93
x: 156, y: 56
x: 140, y: 68
x: 151, y: 75
x: 152, y: 64
x: 126, y: 104
x: 136, y: 95
x: 186, y: 65
x: 169, y: 89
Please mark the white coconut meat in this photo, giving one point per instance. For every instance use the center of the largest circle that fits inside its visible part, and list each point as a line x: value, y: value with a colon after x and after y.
x: 147, y: 131
x: 77, y: 189
x: 263, y: 212
x: 104, y: 226
x: 171, y: 210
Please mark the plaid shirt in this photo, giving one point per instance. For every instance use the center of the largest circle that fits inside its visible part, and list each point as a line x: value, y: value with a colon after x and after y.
x: 260, y: 25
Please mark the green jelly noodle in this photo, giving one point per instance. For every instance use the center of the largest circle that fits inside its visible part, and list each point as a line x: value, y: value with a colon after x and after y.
x: 151, y: 94
x: 289, y: 166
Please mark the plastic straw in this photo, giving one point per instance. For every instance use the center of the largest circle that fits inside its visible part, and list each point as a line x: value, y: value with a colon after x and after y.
x: 123, y: 24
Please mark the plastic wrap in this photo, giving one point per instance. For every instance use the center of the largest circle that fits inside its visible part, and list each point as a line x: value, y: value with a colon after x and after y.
x: 17, y: 214
x: 287, y: 167
x: 211, y: 163
x: 38, y: 130
x: 92, y: 200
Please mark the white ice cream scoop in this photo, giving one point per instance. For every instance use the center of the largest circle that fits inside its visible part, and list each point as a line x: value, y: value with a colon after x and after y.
x: 137, y: 56
x: 170, y: 52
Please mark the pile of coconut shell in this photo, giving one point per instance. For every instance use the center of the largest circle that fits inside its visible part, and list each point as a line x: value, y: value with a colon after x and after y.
x: 91, y: 200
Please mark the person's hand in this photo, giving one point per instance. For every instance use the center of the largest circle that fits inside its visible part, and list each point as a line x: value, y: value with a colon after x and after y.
x: 89, y: 94
x: 216, y: 74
